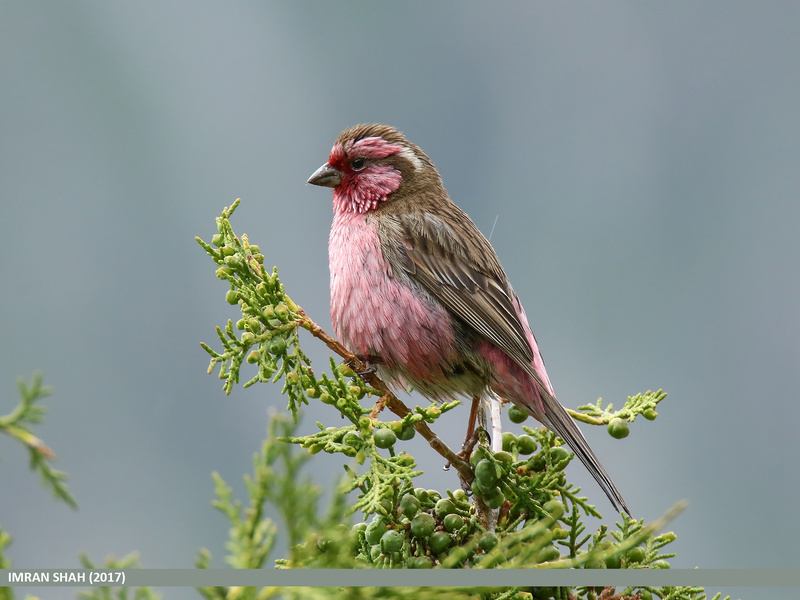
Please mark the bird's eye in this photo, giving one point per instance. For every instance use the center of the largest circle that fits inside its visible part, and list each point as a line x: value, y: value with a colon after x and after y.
x: 357, y: 164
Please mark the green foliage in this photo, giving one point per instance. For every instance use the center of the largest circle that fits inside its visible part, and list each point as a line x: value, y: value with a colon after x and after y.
x: 16, y: 423
x: 268, y: 323
x: 276, y: 480
x: 131, y: 561
x: 515, y: 509
x: 539, y: 516
x: 640, y: 404
x: 5, y: 541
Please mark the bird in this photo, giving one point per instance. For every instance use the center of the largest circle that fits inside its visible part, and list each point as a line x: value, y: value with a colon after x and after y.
x: 419, y: 293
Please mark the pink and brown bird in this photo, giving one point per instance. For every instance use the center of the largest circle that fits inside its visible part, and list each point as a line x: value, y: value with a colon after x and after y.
x: 417, y: 287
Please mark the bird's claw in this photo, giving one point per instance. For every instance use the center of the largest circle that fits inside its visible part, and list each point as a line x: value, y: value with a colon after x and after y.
x: 369, y: 363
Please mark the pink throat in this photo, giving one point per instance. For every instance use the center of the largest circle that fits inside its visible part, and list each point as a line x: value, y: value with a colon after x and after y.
x: 363, y: 190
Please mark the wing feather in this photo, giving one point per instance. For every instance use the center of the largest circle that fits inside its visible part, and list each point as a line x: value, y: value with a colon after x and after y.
x: 472, y: 285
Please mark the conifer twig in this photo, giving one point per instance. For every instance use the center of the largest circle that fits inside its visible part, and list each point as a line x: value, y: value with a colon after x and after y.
x: 391, y: 401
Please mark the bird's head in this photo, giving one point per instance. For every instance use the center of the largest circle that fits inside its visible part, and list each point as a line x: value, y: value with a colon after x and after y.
x: 368, y: 164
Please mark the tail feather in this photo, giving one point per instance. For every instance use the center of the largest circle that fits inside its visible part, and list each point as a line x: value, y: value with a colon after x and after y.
x: 558, y: 419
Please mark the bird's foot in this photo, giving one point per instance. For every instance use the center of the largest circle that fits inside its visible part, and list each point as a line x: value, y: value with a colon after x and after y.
x: 369, y: 363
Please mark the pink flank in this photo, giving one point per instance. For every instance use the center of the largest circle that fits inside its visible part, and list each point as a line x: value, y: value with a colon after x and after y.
x: 375, y: 314
x: 509, y: 379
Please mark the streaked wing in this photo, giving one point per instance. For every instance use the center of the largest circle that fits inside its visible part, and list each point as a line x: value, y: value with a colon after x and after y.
x: 469, y: 282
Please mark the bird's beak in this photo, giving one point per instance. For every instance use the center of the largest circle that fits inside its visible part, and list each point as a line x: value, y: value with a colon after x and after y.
x: 326, y: 176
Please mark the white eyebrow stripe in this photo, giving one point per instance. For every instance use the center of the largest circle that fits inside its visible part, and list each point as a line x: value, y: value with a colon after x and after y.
x: 409, y: 155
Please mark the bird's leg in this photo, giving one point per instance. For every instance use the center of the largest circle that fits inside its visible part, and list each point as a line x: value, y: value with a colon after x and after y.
x: 495, y: 404
x: 471, y: 437
x: 369, y: 363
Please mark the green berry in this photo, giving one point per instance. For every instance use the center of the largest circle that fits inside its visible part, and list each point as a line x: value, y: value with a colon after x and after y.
x: 517, y: 414
x: 391, y: 541
x: 453, y: 522
x: 422, y: 495
x: 504, y: 457
x: 614, y: 562
x: 276, y: 345
x: 351, y: 438
x: 480, y: 453
x: 494, y: 499
x: 537, y: 463
x: 558, y: 454
x: 548, y: 553
x: 326, y: 398
x: 422, y: 525
x: 618, y: 428
x: 439, y: 542
x: 218, y: 239
x: 375, y: 531
x: 232, y: 297
x: 282, y: 312
x: 346, y: 371
x: 649, y: 414
x: 409, y: 505
x: 488, y: 541
x: 457, y: 557
x: 508, y: 441
x: 406, y: 433
x: 554, y: 508
x: 461, y: 499
x: 480, y: 491
x: 405, y: 460
x: 526, y: 444
x: 312, y: 393
x: 420, y: 562
x: 375, y: 552
x: 659, y: 564
x: 223, y: 272
x: 247, y: 338
x: 486, y: 473
x: 357, y: 391
x: 384, y: 438
x: 233, y: 261
x: 253, y: 357
x: 635, y: 555
x: 444, y: 507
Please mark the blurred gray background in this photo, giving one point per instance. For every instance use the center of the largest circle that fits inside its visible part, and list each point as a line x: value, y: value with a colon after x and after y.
x: 642, y: 163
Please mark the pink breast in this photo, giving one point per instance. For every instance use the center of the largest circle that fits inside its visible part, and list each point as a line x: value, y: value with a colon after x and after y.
x: 374, y: 312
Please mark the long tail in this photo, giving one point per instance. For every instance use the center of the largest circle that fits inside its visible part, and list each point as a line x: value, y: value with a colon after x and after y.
x: 558, y: 419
